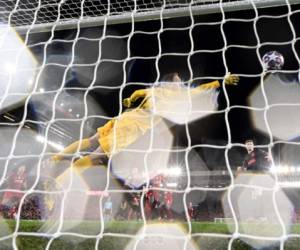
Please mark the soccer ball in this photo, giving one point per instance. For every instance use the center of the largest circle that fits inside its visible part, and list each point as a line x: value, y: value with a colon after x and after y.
x: 273, y: 60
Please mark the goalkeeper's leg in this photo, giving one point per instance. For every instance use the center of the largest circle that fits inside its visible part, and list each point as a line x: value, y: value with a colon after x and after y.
x: 96, y: 158
x: 78, y: 145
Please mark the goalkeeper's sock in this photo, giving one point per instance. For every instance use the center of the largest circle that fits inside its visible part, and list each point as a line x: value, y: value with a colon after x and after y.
x: 61, y: 179
x: 84, y: 144
x: 48, y: 198
x: 82, y: 164
x: 78, y: 166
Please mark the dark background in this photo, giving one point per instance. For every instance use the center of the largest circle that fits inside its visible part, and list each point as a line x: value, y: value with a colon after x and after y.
x: 213, y: 43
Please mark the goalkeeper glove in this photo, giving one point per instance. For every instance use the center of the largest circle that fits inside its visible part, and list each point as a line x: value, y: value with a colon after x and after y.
x: 231, y: 79
x: 127, y: 102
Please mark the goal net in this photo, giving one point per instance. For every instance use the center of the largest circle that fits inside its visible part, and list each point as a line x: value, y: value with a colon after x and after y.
x: 149, y: 123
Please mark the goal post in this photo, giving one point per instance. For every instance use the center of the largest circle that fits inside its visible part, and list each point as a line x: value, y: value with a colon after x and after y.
x: 115, y: 12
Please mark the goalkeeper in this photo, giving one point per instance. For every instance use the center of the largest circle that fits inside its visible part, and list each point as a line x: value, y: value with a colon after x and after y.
x: 124, y: 130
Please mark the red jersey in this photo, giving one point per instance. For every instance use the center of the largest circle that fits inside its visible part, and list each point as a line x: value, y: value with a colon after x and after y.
x: 19, y: 182
x: 191, y: 212
x: 158, y: 180
x: 15, y: 182
x: 149, y: 196
x: 168, y: 198
x: 156, y: 195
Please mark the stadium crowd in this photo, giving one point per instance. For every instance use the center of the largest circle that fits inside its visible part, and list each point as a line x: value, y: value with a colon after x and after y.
x: 157, y: 199
x: 15, y: 186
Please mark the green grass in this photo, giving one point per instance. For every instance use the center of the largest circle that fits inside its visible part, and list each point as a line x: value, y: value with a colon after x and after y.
x: 119, y: 242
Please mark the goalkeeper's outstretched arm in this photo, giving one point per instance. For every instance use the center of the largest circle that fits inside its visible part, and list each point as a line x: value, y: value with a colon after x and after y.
x: 141, y: 93
x: 229, y: 80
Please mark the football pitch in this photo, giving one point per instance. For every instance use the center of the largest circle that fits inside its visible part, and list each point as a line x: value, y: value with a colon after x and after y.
x: 34, y: 234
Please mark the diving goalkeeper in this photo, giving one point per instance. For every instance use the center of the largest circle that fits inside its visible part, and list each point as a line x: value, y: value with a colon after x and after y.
x: 120, y: 132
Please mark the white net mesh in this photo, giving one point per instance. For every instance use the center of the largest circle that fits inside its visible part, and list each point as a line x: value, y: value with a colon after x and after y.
x: 41, y: 15
x: 23, y: 12
x: 160, y: 159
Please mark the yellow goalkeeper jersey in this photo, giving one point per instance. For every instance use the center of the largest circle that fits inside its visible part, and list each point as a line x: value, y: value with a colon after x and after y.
x: 124, y: 130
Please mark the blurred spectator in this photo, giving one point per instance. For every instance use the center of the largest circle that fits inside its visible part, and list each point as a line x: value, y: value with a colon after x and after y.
x: 256, y: 159
x: 191, y: 211
x: 159, y: 181
x: 123, y: 210
x: 134, y: 210
x: 18, y: 182
x: 148, y: 204
x: 12, y: 213
x: 108, y: 209
x: 168, y: 205
x: 31, y: 209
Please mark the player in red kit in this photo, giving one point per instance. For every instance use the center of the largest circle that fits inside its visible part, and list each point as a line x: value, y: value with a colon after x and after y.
x: 148, y: 204
x: 256, y: 159
x: 190, y: 211
x: 18, y: 182
x: 168, y: 205
x: 134, y: 210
